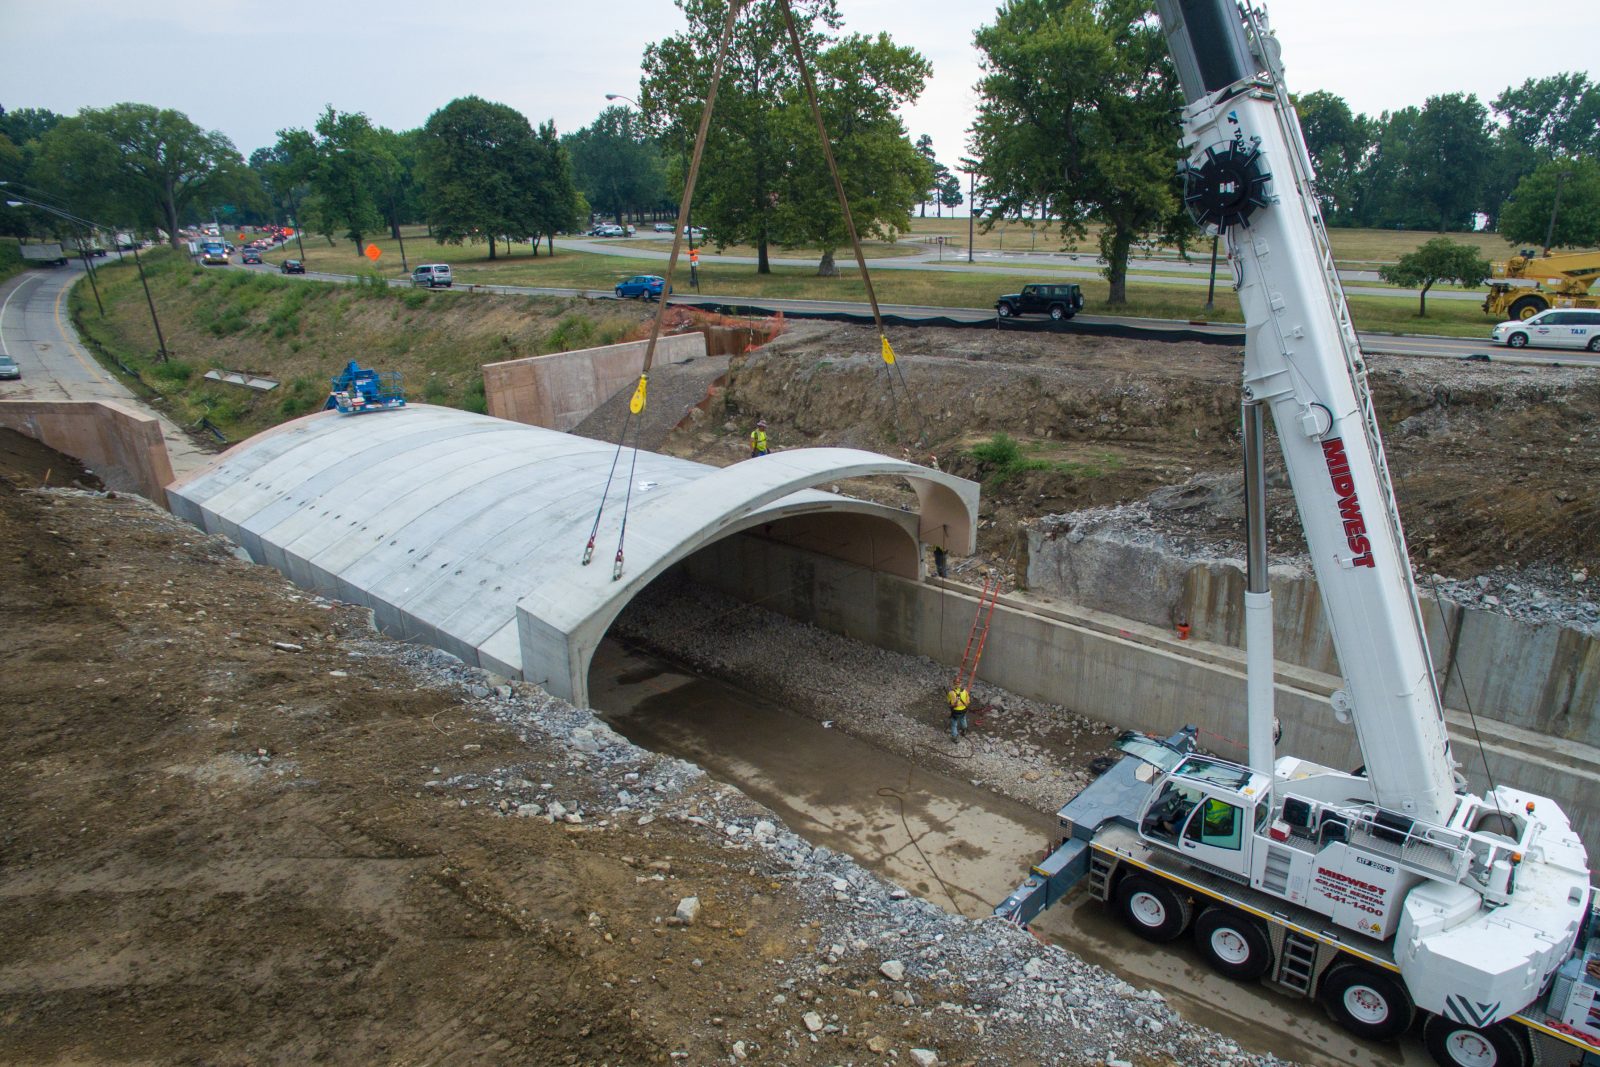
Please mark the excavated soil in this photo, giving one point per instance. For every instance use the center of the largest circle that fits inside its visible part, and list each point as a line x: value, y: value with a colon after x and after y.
x: 1495, y: 465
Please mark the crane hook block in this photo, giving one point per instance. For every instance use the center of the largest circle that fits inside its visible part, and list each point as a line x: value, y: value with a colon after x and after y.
x: 1226, y: 187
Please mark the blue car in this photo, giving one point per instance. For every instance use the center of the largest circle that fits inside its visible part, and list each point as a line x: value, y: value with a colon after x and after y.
x: 643, y: 286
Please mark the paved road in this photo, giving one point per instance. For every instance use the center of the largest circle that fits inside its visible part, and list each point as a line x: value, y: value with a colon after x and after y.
x: 1195, y: 272
x: 1374, y: 344
x: 36, y: 331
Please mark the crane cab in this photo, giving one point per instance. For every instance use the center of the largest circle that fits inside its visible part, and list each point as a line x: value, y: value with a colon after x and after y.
x: 1210, y: 811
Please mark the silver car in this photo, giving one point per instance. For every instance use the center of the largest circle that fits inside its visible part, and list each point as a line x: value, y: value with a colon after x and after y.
x: 1555, y: 328
x: 9, y: 368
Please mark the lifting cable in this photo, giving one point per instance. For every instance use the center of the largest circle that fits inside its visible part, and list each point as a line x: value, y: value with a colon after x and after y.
x: 849, y: 220
x: 636, y: 405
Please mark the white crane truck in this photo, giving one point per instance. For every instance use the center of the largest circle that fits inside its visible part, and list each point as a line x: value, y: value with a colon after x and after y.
x: 1389, y: 893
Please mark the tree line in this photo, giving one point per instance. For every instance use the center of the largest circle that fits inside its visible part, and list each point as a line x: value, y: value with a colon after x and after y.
x: 1074, y: 127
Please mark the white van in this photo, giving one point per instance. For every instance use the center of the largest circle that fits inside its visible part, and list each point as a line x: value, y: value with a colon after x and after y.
x: 1555, y: 328
x: 433, y: 275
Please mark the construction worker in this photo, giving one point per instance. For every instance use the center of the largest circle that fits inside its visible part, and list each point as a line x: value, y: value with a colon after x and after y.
x: 758, y: 440
x: 959, y: 699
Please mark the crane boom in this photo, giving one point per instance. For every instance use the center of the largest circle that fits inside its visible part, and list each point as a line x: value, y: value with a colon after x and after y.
x: 1249, y: 176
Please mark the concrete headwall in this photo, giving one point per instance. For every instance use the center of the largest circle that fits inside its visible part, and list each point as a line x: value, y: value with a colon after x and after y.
x: 122, y: 446
x: 1130, y: 674
x: 1536, y: 677
x: 559, y: 390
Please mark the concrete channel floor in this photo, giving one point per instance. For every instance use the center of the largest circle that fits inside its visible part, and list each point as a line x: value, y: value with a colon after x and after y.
x: 847, y: 794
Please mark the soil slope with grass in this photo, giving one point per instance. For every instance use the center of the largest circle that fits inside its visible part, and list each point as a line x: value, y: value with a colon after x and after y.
x: 302, y: 333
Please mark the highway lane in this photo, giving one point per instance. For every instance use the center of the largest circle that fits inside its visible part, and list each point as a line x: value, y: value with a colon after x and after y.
x: 36, y: 331
x: 1371, y: 343
x: 1073, y: 265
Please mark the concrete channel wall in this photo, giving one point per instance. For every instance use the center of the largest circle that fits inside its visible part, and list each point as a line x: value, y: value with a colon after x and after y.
x: 559, y: 390
x: 1544, y: 678
x: 1130, y: 674
x: 123, y: 447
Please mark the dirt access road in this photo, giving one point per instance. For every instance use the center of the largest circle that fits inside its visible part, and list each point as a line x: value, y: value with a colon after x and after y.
x: 240, y: 828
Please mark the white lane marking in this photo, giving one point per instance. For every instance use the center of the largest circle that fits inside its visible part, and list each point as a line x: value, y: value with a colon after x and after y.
x: 3, y: 350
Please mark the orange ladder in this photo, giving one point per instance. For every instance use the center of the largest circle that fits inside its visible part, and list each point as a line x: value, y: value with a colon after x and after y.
x: 978, y: 636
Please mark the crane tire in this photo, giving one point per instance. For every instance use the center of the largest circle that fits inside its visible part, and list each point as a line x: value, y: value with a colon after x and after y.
x: 1153, y: 908
x: 1367, y: 1001
x: 1233, y: 943
x: 1526, y: 307
x: 1453, y: 1044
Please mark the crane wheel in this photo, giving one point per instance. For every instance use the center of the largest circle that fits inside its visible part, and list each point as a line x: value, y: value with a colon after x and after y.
x: 1453, y: 1044
x: 1233, y: 943
x: 1367, y: 1001
x: 1152, y: 908
x: 1526, y: 307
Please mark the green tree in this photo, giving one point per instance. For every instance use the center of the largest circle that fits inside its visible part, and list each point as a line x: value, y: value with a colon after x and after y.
x: 1525, y: 219
x: 924, y: 147
x: 748, y: 150
x: 558, y: 205
x: 1447, y: 161
x: 26, y: 124
x: 1557, y: 116
x: 1076, y: 116
x: 342, y: 162
x: 150, y: 165
x: 1440, y: 260
x: 950, y: 195
x: 1339, y: 143
x: 480, y: 165
x: 617, y: 163
x: 861, y: 81
x: 402, y: 197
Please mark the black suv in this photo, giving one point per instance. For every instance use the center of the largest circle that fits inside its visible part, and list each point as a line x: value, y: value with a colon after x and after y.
x: 1057, y: 301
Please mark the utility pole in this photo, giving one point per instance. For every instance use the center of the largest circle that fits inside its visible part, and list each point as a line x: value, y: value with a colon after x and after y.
x: 1550, y: 231
x: 161, y: 342
x: 972, y: 209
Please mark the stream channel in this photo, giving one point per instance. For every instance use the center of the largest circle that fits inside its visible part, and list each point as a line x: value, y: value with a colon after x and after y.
x: 953, y: 843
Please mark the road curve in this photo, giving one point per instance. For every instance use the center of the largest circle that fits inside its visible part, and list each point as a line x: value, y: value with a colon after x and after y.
x: 36, y: 331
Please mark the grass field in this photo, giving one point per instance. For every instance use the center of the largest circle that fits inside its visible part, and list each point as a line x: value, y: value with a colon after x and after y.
x: 1146, y: 298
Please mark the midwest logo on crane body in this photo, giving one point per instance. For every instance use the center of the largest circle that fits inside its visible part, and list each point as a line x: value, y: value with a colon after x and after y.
x: 1344, y: 486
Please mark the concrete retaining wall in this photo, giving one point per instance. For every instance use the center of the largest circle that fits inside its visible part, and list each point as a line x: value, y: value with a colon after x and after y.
x: 1130, y: 674
x: 559, y: 391
x: 122, y: 446
x: 1542, y: 678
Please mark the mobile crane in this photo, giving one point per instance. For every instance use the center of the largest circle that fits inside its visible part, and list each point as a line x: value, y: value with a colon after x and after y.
x: 1386, y: 893
x: 1529, y: 283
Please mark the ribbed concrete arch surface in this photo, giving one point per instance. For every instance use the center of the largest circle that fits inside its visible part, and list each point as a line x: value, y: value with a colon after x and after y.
x: 467, y: 532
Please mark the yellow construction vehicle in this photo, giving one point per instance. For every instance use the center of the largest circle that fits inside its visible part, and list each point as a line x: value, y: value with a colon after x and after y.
x: 1528, y: 283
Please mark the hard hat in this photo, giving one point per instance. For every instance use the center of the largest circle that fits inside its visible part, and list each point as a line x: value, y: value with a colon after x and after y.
x: 761, y: 424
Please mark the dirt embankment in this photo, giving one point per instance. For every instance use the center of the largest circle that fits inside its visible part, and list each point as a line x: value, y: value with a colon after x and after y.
x: 1494, y: 465
x: 238, y: 827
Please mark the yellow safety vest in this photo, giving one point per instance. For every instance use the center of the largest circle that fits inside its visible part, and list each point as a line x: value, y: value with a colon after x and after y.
x: 959, y: 699
x: 758, y: 440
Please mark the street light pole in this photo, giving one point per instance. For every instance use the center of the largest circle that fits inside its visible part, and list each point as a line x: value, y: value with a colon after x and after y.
x: 1211, y: 289
x: 161, y: 342
x: 972, y: 208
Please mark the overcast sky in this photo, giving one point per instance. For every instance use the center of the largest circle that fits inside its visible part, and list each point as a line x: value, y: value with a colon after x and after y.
x: 249, y: 68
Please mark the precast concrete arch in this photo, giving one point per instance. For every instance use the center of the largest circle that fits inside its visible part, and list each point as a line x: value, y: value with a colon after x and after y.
x: 467, y: 532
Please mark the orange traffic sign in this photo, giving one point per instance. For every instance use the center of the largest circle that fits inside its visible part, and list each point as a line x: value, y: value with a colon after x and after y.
x: 373, y: 252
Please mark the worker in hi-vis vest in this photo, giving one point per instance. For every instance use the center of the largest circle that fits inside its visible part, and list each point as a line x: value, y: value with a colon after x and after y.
x: 758, y: 440
x: 959, y: 699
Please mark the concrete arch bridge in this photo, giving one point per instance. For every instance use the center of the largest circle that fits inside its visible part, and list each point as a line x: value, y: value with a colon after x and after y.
x: 467, y: 532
